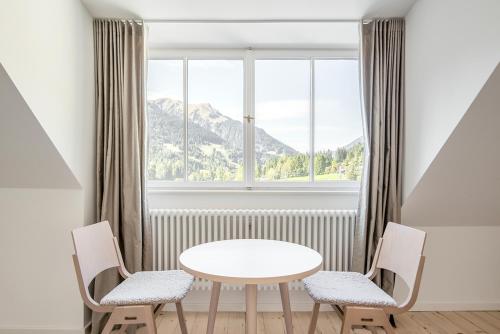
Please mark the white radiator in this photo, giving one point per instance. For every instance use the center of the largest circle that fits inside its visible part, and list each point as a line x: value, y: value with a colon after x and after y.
x: 330, y: 232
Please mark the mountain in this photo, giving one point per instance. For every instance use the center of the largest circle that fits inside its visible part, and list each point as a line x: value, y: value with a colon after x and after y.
x: 215, y: 141
x: 354, y: 143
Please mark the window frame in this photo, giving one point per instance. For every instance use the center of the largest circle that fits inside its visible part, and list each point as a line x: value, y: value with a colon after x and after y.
x: 249, y: 56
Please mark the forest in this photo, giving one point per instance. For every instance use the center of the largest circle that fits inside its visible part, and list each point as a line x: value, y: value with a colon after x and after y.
x: 341, y: 164
x: 215, y: 149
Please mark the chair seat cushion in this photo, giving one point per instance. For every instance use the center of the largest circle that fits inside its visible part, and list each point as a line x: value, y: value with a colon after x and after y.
x: 346, y: 288
x: 150, y: 287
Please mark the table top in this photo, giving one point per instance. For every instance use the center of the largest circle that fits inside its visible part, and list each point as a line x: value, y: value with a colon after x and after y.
x: 250, y: 261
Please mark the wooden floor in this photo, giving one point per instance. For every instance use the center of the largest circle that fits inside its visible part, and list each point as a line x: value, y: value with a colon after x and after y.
x: 329, y: 322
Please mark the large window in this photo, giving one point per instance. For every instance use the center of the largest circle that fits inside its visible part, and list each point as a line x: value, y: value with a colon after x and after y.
x: 254, y: 120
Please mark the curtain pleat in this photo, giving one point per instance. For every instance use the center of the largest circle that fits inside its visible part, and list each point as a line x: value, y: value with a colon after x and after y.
x: 119, y: 54
x: 382, y: 76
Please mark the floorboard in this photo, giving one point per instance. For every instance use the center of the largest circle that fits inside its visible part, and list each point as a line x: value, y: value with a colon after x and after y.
x: 330, y: 323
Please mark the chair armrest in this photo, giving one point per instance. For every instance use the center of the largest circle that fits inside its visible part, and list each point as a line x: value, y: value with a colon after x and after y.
x: 123, y: 271
x: 373, y: 270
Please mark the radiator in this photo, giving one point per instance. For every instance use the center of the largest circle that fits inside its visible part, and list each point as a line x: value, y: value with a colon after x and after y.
x: 330, y: 232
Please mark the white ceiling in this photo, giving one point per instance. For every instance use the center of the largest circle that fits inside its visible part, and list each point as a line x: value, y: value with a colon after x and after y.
x: 256, y: 35
x: 261, y: 35
x: 248, y: 9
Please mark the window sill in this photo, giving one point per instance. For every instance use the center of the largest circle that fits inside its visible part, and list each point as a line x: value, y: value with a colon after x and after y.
x: 256, y: 191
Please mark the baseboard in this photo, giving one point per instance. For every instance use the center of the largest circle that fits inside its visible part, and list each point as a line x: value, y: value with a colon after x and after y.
x: 270, y: 301
x: 456, y: 306
x: 40, y: 330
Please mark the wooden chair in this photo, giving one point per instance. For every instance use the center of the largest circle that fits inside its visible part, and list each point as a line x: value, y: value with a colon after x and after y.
x: 357, y: 299
x: 140, y: 297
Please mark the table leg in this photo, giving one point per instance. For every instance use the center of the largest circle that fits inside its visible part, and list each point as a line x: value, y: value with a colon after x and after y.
x: 214, y: 302
x: 285, y: 301
x: 251, y: 310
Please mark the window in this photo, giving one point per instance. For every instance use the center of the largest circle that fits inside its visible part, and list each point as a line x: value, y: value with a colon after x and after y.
x: 254, y: 119
x: 282, y: 94
x: 215, y: 120
x: 165, y: 100
x: 338, y: 140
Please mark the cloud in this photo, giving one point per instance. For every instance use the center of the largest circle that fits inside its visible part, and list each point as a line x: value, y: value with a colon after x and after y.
x: 165, y: 93
x: 282, y: 110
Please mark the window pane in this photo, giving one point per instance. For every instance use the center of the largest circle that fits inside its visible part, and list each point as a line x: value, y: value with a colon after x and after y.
x: 338, y: 132
x: 282, y: 118
x: 165, y: 120
x: 215, y: 114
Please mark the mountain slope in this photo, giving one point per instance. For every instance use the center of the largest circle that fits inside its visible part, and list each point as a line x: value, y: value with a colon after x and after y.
x: 214, y: 141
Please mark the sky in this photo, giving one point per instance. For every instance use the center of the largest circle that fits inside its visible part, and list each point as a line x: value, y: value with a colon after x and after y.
x: 282, y: 96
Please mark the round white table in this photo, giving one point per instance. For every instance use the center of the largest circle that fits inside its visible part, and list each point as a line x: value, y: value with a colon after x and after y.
x: 250, y: 262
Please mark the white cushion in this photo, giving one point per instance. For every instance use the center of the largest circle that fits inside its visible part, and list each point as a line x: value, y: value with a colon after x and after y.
x: 346, y: 288
x: 150, y: 287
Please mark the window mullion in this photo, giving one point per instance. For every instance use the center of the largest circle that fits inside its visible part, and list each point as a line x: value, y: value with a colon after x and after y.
x: 249, y: 121
x: 186, y: 104
x: 311, y: 122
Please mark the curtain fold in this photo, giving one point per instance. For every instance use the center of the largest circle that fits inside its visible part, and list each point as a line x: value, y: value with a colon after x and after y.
x: 119, y: 60
x: 382, y: 76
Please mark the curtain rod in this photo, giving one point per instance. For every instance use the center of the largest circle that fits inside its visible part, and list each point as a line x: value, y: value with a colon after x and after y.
x: 250, y: 21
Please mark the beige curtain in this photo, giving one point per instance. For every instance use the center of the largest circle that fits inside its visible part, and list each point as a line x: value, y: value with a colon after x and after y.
x: 382, y: 76
x: 119, y: 51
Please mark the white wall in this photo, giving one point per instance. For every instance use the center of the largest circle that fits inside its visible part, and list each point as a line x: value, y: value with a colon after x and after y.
x: 252, y: 200
x: 452, y: 46
x: 461, y: 187
x: 462, y: 269
x: 37, y: 283
x: 47, y: 50
x: 24, y: 145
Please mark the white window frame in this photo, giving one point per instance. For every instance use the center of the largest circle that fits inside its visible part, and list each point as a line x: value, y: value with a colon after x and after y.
x: 249, y: 56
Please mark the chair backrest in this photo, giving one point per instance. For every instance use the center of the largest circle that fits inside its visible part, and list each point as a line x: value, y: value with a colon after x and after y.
x: 94, y: 250
x: 401, y: 253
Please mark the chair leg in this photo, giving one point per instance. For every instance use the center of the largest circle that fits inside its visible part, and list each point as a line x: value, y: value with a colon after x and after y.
x: 131, y: 315
x: 123, y: 329
x: 180, y: 315
x: 158, y: 309
x: 314, y: 318
x: 346, y: 322
x: 389, y: 329
x: 115, y: 318
x: 392, y: 320
x: 108, y: 327
x: 365, y: 316
x: 337, y: 309
x: 150, y: 321
x: 388, y: 326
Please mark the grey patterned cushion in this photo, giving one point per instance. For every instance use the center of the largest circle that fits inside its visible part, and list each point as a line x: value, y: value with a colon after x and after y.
x: 346, y: 288
x: 150, y: 287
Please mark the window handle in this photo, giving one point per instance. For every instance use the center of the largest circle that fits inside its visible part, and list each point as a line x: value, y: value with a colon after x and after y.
x: 248, y: 118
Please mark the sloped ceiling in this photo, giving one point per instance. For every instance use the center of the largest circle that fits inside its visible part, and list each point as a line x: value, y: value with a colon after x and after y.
x: 28, y: 158
x: 461, y: 187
